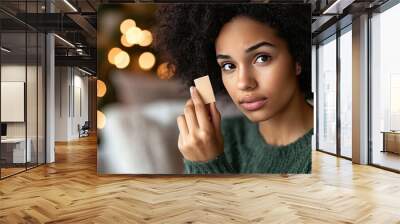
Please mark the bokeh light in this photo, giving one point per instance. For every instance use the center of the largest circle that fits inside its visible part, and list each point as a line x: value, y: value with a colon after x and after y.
x: 122, y: 60
x: 146, y: 60
x: 134, y: 35
x: 164, y: 71
x: 101, y: 88
x: 147, y: 38
x: 101, y: 120
x: 112, y: 54
x: 125, y: 42
x: 126, y: 25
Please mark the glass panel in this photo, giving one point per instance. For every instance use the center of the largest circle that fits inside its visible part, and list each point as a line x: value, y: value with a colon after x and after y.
x: 385, y: 84
x: 41, y: 98
x: 31, y: 100
x: 327, y: 96
x: 31, y: 85
x: 346, y: 94
x: 13, y: 87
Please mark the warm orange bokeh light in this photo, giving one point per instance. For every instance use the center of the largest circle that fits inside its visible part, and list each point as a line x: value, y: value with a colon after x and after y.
x: 134, y: 35
x: 164, y: 71
x: 101, y: 120
x: 147, y: 38
x: 122, y: 60
x: 125, y: 42
x: 126, y: 25
x: 112, y: 54
x: 147, y: 60
x: 101, y: 88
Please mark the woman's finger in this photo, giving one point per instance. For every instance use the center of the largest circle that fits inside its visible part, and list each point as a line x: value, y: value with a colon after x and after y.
x: 190, y: 117
x: 180, y: 143
x: 215, y: 117
x: 182, y: 126
x: 201, y: 109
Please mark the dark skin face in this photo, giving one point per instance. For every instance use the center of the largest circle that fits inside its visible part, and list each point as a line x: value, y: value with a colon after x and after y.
x: 257, y: 69
x: 260, y: 75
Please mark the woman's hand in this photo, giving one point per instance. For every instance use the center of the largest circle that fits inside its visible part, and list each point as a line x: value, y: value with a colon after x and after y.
x: 200, y: 137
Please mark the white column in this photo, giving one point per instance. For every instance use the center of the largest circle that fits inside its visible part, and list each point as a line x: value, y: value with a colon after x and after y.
x: 50, y: 93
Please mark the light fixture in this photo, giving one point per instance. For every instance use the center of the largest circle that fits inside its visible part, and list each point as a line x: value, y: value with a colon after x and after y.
x: 70, y: 5
x: 79, y: 51
x: 84, y: 71
x: 337, y: 7
x: 64, y: 40
x: 5, y: 50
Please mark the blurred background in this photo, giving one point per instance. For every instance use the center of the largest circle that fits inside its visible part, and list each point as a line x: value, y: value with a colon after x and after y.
x: 139, y: 97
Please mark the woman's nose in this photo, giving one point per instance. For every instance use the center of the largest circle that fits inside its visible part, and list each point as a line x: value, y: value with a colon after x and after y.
x: 246, y: 80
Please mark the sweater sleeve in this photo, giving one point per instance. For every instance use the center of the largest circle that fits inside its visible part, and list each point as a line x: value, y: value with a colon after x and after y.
x: 218, y: 165
x: 226, y: 162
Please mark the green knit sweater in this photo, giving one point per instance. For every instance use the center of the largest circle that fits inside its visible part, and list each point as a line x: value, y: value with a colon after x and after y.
x: 245, y: 151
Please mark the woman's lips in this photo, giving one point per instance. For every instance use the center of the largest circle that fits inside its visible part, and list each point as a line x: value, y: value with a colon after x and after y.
x: 253, y: 104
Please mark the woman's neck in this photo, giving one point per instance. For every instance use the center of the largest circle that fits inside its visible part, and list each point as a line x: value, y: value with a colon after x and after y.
x: 294, y: 121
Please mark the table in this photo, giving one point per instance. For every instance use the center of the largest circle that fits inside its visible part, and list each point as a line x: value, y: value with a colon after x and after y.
x: 16, y: 147
x: 391, y: 141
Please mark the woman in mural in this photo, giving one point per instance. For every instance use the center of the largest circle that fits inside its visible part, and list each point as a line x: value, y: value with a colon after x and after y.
x: 259, y: 55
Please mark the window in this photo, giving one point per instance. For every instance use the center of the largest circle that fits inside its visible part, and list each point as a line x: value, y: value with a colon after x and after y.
x: 327, y: 95
x: 385, y: 88
x: 346, y: 92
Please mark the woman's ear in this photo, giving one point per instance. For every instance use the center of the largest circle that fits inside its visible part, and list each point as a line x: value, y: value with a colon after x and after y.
x: 298, y: 68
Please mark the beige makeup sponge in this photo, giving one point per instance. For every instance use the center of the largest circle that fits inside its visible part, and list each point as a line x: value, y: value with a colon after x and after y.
x: 203, y: 85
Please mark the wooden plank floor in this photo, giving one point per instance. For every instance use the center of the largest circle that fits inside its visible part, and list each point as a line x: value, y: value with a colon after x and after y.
x: 70, y: 191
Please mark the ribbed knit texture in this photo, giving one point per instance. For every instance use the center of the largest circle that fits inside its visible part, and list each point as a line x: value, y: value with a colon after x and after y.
x: 245, y: 151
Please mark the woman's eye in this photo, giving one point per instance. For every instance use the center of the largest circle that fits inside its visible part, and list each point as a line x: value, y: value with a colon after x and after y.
x: 227, y: 67
x: 263, y: 58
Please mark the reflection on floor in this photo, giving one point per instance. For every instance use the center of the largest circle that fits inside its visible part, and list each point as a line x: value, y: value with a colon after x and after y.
x: 387, y: 159
x: 11, y: 169
x: 70, y: 191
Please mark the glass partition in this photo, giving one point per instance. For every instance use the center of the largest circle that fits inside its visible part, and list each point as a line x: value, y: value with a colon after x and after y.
x: 327, y: 95
x: 385, y: 89
x: 346, y: 92
x: 14, y: 153
x: 22, y: 91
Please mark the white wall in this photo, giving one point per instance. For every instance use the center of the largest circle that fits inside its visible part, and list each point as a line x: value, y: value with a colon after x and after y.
x: 16, y: 73
x: 71, y: 94
x: 33, y: 127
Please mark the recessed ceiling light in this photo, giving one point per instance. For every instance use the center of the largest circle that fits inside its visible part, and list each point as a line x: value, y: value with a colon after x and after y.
x: 5, y: 50
x: 70, y: 5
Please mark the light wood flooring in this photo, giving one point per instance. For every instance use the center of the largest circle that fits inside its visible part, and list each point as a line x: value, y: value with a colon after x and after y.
x: 69, y: 191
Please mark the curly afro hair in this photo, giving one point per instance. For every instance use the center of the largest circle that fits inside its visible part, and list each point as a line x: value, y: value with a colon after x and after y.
x: 186, y: 33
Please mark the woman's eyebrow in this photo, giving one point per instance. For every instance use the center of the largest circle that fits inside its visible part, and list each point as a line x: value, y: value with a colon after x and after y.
x: 252, y: 48
x: 222, y: 56
x: 263, y: 43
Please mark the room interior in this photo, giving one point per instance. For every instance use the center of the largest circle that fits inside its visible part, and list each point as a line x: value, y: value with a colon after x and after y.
x: 52, y: 84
